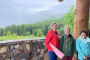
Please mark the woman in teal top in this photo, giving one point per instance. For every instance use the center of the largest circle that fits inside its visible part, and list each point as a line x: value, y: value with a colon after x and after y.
x: 83, y: 46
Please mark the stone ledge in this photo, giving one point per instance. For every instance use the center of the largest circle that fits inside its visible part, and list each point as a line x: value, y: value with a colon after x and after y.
x: 21, y: 40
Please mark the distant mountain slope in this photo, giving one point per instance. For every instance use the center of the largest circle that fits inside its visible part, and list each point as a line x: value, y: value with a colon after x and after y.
x: 57, y: 20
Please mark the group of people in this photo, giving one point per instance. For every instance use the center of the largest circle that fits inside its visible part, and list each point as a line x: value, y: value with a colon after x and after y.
x: 67, y: 45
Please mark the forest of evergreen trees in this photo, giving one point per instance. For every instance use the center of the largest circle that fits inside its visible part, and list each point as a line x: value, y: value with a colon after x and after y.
x: 38, y: 29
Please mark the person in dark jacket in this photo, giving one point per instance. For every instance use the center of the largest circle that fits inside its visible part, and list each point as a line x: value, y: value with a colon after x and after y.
x: 67, y: 44
x: 52, y: 37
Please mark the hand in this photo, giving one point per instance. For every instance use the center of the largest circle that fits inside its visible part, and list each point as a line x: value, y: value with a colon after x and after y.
x: 52, y: 50
x: 85, y: 58
x: 75, y: 56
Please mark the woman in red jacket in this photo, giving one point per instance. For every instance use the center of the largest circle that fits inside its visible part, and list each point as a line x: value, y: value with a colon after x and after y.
x: 52, y: 37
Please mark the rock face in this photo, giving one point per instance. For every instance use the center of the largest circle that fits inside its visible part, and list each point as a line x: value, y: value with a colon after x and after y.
x: 81, y: 17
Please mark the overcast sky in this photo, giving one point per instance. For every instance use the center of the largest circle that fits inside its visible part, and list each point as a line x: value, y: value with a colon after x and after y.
x: 30, y: 11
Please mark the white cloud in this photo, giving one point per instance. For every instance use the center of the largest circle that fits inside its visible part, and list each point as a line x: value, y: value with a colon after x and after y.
x: 47, y: 7
x: 38, y: 10
x: 35, y: 10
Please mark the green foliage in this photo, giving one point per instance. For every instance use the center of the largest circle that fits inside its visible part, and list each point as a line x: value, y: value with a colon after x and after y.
x: 32, y: 35
x: 34, y: 31
x: 60, y: 31
x: 69, y: 18
x: 25, y: 34
x: 39, y: 33
x: 22, y: 29
x: 4, y: 33
x: 8, y: 33
x: 14, y: 36
x: 3, y: 38
x: 10, y: 36
x: 13, y: 28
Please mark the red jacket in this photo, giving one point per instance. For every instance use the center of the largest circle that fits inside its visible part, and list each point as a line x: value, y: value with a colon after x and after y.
x: 53, y: 39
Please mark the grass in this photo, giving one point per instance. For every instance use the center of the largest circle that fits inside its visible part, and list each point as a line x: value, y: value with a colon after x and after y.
x: 6, y: 38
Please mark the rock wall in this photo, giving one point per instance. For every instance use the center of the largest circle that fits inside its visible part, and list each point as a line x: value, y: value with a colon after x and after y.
x: 31, y: 49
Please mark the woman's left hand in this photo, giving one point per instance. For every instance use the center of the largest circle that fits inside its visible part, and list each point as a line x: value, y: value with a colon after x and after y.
x: 75, y: 56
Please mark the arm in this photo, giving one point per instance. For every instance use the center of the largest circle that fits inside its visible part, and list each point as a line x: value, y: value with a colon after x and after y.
x: 78, y: 47
x: 47, y: 40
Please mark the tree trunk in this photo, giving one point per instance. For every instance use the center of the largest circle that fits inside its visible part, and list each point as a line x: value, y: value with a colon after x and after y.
x: 81, y: 17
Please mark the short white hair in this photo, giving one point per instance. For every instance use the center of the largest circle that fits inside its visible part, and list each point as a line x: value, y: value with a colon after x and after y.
x: 66, y: 27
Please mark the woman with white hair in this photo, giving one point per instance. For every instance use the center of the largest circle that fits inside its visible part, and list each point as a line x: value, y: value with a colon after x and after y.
x: 67, y: 44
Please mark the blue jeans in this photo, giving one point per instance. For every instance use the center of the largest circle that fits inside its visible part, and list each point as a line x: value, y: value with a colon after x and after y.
x: 52, y: 55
